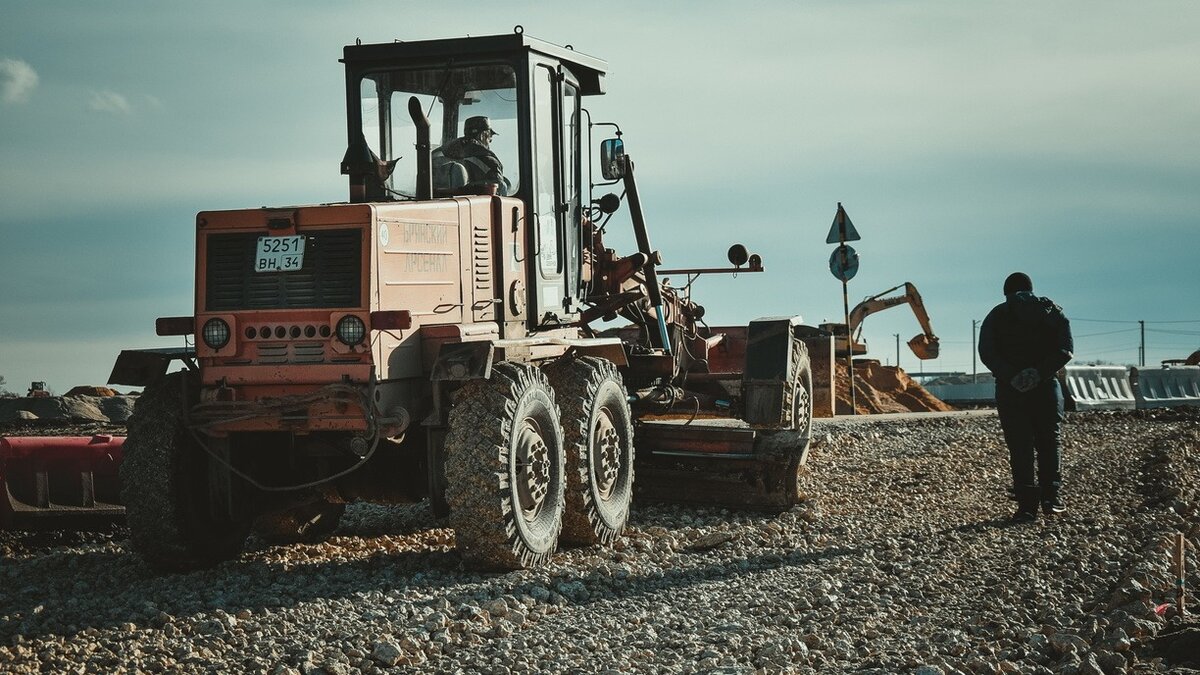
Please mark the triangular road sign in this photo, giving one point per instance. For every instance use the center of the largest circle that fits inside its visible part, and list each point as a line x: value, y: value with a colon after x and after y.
x: 842, y: 229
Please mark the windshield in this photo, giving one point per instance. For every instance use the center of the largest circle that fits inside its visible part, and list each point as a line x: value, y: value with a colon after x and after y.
x: 451, y: 97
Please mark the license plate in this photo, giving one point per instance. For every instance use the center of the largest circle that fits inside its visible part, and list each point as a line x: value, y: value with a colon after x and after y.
x: 280, y: 254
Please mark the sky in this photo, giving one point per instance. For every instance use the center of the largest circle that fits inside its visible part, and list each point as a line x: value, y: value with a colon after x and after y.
x: 965, y: 140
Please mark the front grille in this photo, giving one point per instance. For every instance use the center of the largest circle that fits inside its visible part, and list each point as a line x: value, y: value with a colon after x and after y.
x: 331, y: 275
x: 297, y: 352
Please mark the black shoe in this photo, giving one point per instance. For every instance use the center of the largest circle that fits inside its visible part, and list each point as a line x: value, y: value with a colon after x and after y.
x: 1053, y: 507
x: 1024, y: 516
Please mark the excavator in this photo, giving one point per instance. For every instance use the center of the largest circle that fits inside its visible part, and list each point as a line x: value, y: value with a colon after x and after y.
x: 924, y: 345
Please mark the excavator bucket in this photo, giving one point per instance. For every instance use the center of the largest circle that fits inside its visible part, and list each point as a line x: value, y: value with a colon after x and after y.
x: 750, y: 460
x: 924, y: 346
x: 59, y: 482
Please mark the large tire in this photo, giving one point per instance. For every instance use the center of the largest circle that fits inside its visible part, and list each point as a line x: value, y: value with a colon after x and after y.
x: 164, y: 484
x: 504, y: 469
x: 308, y: 524
x: 598, y: 434
x: 800, y: 397
x: 796, y: 443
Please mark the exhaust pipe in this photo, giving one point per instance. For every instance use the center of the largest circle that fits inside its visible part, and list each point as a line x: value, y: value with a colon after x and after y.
x: 424, y: 154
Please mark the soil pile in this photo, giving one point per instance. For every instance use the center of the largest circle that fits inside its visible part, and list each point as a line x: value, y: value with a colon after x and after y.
x: 70, y: 408
x: 884, y: 389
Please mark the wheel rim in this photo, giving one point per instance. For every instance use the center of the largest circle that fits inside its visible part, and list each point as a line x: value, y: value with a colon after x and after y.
x: 606, y: 454
x: 533, y: 469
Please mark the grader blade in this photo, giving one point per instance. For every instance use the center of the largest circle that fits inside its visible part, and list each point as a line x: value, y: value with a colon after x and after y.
x: 718, y: 462
x: 59, y: 482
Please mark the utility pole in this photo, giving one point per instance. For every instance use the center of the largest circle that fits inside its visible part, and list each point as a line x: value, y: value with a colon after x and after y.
x: 1142, y: 346
x: 973, y: 350
x: 897, y: 350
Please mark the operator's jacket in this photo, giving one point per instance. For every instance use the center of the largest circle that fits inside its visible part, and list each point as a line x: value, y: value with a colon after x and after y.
x: 483, y: 166
x: 1025, y: 331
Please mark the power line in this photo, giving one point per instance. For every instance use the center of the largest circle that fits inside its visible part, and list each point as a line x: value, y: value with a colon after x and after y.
x: 1173, y: 332
x: 1111, y: 332
x: 1124, y: 321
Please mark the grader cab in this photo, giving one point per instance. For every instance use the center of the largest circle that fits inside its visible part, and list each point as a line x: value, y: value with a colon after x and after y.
x: 438, y: 336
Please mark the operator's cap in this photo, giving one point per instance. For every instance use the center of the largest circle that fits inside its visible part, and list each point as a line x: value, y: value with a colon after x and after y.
x: 476, y: 124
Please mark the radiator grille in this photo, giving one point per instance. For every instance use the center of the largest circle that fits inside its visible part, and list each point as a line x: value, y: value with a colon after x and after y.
x: 331, y: 275
x: 295, y: 352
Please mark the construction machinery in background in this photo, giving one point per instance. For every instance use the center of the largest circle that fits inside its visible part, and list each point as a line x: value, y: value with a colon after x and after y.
x: 38, y: 390
x: 848, y: 339
x: 437, y: 336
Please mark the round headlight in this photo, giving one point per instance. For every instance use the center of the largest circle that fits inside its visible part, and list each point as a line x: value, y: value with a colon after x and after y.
x: 216, y: 333
x: 351, y: 330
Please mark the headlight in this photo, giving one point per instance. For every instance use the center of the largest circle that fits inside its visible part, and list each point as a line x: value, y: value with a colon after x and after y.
x: 216, y: 333
x: 351, y: 330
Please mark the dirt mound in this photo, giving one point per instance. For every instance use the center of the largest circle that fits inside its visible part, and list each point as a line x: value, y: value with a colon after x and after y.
x: 884, y: 389
x: 75, y: 409
x: 90, y: 390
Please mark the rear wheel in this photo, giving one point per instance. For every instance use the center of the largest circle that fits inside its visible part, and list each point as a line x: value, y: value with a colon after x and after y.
x: 165, y: 485
x: 504, y: 469
x: 598, y: 434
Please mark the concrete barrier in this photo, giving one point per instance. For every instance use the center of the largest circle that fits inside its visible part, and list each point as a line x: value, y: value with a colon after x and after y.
x: 1100, y: 388
x: 977, y: 393
x: 1167, y: 387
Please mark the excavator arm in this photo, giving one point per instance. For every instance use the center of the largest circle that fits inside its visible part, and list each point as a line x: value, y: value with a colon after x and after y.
x: 924, y: 346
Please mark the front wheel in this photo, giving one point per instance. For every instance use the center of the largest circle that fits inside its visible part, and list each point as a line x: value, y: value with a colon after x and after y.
x: 174, y: 521
x: 598, y: 430
x: 504, y: 469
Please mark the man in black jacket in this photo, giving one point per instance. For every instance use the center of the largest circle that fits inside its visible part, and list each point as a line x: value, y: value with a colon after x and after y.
x: 1024, y: 341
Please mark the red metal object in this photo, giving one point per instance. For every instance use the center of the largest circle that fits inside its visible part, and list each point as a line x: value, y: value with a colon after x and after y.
x: 59, y: 478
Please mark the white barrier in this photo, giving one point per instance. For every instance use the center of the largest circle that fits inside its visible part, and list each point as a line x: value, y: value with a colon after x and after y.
x: 1100, y: 388
x: 1168, y: 386
x: 964, y: 393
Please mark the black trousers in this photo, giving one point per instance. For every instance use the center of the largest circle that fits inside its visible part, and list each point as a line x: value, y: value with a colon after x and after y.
x: 1032, y: 424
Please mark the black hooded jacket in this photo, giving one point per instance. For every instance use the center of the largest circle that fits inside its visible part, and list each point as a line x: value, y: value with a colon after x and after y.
x: 1025, y: 331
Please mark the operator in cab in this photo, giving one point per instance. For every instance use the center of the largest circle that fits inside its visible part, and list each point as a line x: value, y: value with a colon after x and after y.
x: 473, y: 151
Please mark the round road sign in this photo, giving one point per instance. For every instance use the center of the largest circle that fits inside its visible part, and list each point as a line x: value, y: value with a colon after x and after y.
x: 844, y: 262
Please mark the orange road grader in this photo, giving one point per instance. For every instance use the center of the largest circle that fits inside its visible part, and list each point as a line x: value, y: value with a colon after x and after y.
x: 438, y: 336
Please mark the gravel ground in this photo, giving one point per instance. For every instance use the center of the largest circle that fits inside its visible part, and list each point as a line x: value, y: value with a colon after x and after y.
x: 901, y: 559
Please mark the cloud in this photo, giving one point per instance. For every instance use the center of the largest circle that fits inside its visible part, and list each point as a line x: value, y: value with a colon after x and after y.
x: 17, y: 81
x: 109, y: 101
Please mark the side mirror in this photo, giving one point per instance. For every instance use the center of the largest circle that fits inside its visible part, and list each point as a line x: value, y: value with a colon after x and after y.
x: 612, y: 159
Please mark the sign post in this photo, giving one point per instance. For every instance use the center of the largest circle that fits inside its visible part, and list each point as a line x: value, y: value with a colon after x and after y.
x: 844, y: 265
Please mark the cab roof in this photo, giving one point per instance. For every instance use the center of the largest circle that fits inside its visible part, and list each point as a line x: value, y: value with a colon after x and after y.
x: 589, y: 70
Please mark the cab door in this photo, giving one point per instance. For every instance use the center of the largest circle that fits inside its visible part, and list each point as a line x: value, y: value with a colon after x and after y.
x: 556, y: 195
